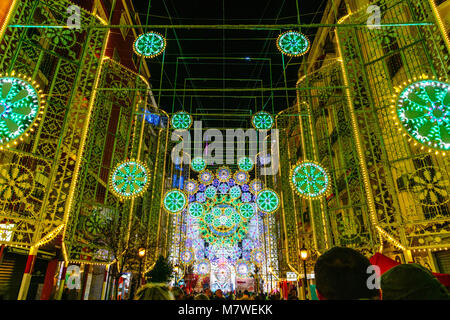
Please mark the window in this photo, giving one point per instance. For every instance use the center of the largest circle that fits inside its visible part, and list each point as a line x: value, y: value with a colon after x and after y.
x: 393, y: 62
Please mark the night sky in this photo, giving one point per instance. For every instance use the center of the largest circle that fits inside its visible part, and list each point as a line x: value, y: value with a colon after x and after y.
x: 217, y: 58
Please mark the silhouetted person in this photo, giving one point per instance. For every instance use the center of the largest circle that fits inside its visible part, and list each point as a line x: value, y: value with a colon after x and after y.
x: 341, y: 274
x: 411, y: 282
x: 154, y: 291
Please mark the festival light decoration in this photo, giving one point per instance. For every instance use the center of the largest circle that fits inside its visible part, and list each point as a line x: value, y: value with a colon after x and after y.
x: 203, y: 267
x: 245, y: 164
x: 196, y: 209
x: 241, y: 177
x: 422, y: 110
x: 16, y: 182
x: 21, y: 108
x: 309, y: 179
x: 200, y: 197
x: 247, y: 210
x: 149, y: 45
x: 181, y: 120
x: 293, y: 43
x: 175, y: 201
x: 187, y: 256
x: 129, y: 179
x: 190, y: 186
x: 198, y: 164
x: 246, y: 197
x: 223, y: 174
x: 257, y: 256
x: 222, y: 214
x: 210, y: 192
x: 267, y: 201
x: 206, y: 177
x: 223, y: 188
x: 235, y: 192
x: 429, y: 186
x: 242, y: 268
x: 262, y: 121
x: 256, y: 186
x: 6, y: 231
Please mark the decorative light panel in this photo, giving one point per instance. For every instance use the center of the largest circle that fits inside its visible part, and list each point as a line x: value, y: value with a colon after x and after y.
x: 190, y: 186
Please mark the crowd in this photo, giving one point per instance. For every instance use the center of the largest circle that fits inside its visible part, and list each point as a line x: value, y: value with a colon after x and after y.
x: 341, y: 274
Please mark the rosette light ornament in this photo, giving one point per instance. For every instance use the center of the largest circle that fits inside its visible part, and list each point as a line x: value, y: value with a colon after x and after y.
x: 149, y: 45
x: 267, y: 201
x: 293, y: 43
x: 422, y: 110
x: 181, y: 120
x: 310, y: 180
x: 245, y: 164
x: 175, y: 201
x: 21, y: 108
x: 262, y: 121
x: 198, y: 164
x: 129, y: 179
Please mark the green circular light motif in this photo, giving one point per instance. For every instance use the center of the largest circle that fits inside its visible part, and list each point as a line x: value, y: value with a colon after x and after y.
x: 245, y: 164
x: 198, y: 164
x: 210, y: 192
x: 209, y: 218
x: 247, y: 210
x: 129, y: 179
x: 262, y: 121
x: 267, y: 201
x: 423, y: 110
x: 293, y: 43
x: 310, y: 180
x: 235, y: 192
x: 150, y: 44
x: 181, y: 120
x: 196, y: 210
x: 19, y: 108
x: 175, y: 201
x: 95, y: 224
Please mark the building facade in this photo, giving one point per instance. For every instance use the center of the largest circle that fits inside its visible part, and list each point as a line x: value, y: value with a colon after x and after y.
x: 95, y: 110
x: 389, y: 187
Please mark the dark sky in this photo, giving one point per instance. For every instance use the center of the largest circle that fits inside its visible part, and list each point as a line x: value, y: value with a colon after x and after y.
x: 225, y: 59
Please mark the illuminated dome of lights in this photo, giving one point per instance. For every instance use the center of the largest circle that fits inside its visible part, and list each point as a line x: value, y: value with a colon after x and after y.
x: 223, y: 222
